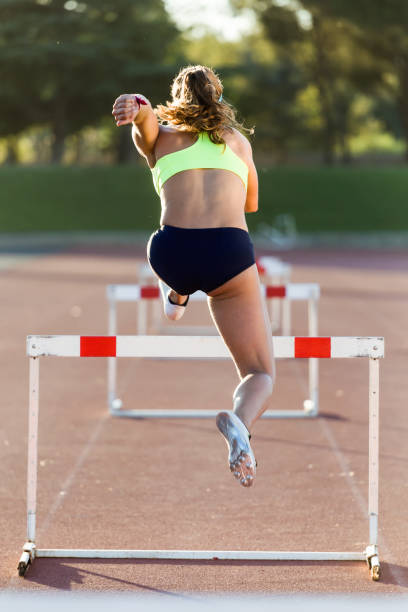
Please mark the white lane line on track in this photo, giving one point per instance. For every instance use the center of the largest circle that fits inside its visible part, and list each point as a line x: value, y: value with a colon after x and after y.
x: 397, y: 574
x: 71, y: 476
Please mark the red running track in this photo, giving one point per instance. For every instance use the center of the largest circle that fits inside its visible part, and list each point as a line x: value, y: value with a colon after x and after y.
x: 127, y: 484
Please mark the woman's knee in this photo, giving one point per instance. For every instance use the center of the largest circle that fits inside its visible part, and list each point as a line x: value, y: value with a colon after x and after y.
x: 262, y: 363
x: 260, y: 383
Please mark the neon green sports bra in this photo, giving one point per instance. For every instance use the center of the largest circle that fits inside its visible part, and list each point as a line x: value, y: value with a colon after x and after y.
x: 202, y: 154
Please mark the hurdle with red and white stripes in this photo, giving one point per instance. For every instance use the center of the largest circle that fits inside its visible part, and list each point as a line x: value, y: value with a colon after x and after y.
x: 272, y: 271
x: 145, y: 294
x: 191, y: 347
x: 309, y: 292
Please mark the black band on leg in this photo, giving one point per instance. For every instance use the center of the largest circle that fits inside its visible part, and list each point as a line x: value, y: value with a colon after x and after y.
x: 176, y: 304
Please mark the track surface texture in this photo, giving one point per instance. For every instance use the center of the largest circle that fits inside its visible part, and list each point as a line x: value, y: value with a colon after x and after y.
x: 107, y: 482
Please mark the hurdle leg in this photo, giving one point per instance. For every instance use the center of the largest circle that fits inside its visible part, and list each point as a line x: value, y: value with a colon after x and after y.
x: 373, y: 467
x: 114, y: 403
x: 286, y: 317
x: 286, y: 307
x: 33, y: 408
x: 274, y: 306
x: 156, y: 314
x: 311, y: 405
x: 142, y: 317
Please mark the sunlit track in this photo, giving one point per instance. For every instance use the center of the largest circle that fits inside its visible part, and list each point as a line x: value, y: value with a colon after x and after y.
x: 169, y: 576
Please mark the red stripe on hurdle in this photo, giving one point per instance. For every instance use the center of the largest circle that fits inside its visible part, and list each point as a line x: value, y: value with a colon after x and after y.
x: 149, y: 292
x: 261, y: 268
x: 272, y: 291
x: 313, y: 347
x: 98, y: 346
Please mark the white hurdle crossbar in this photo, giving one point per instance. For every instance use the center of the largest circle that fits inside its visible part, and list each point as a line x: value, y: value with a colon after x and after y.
x: 191, y: 347
x: 309, y: 292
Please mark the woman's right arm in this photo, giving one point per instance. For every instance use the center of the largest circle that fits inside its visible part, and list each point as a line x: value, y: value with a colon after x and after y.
x: 129, y: 108
x: 242, y: 147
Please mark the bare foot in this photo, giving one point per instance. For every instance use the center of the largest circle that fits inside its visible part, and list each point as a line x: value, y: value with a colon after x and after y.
x: 241, y: 458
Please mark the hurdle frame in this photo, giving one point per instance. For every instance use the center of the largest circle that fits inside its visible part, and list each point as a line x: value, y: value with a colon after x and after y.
x: 309, y: 292
x: 201, y: 348
x: 272, y: 271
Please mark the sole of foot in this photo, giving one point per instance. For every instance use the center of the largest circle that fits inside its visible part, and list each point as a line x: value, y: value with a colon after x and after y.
x: 241, y: 459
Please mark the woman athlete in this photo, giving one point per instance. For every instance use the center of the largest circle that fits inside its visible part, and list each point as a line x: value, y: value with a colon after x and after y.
x: 204, y: 174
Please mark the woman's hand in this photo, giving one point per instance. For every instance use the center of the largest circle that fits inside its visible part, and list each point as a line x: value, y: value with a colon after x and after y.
x: 136, y: 109
x: 127, y: 107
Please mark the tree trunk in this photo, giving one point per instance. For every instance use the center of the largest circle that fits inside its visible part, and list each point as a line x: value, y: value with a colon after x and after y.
x: 11, y: 151
x: 346, y: 157
x: 77, y: 146
x: 58, y: 145
x: 403, y: 101
x: 125, y: 147
x: 343, y: 113
x: 328, y: 140
x: 59, y: 130
x: 323, y: 79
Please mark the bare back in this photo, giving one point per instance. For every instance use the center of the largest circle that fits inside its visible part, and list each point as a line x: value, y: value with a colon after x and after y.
x: 203, y: 197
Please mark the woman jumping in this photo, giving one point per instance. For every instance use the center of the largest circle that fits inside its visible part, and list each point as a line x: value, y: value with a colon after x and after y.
x: 205, y: 176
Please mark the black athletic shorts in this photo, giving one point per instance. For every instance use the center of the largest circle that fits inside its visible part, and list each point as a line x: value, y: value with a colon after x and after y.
x: 191, y: 259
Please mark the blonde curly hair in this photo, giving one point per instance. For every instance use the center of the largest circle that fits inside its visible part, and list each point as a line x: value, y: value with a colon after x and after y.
x: 198, y: 106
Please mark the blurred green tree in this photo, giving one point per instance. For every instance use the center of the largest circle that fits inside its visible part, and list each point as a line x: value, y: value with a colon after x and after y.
x: 383, y: 32
x: 266, y: 97
x: 331, y: 59
x: 63, y: 62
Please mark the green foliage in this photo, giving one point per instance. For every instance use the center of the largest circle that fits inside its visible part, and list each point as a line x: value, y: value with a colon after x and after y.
x: 266, y: 98
x: 64, y: 63
x: 373, y: 14
x: 328, y: 54
x: 382, y: 30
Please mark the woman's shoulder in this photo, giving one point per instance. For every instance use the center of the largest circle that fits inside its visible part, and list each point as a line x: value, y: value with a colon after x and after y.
x: 238, y: 142
x: 171, y: 139
x: 168, y: 132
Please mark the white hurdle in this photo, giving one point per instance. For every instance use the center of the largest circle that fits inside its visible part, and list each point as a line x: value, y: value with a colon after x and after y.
x: 201, y: 348
x: 274, y: 271
x: 309, y: 292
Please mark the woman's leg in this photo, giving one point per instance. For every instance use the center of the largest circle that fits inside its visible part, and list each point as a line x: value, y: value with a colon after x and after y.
x: 238, y: 310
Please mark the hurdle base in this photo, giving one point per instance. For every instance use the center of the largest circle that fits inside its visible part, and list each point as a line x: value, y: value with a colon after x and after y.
x: 370, y: 555
x: 201, y: 555
x: 26, y: 558
x: 373, y: 562
x: 200, y: 414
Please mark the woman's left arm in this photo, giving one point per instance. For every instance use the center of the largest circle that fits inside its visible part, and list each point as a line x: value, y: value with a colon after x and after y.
x: 136, y: 109
x: 251, y: 204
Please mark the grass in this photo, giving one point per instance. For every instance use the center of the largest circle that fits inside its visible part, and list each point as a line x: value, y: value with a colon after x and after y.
x: 122, y: 198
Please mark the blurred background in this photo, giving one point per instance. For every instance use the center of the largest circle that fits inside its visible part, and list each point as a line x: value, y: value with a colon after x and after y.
x: 324, y: 83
